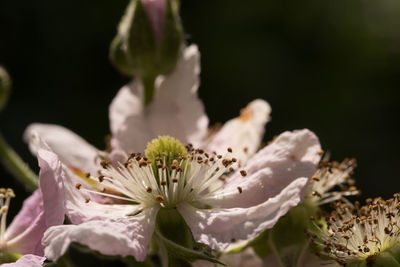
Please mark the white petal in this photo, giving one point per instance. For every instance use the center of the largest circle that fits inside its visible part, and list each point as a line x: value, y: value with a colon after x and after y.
x: 119, y: 236
x: 217, y: 227
x: 244, y: 133
x: 71, y: 149
x: 176, y: 109
x: 291, y: 156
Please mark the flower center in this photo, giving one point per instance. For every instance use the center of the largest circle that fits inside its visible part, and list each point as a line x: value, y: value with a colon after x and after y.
x: 355, y: 234
x: 168, y: 174
x: 5, y: 198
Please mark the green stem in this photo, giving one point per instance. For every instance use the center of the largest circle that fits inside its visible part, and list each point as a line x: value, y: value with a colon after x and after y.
x: 16, y: 166
x: 148, y: 84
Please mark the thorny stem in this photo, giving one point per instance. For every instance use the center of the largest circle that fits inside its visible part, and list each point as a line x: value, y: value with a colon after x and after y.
x: 16, y: 166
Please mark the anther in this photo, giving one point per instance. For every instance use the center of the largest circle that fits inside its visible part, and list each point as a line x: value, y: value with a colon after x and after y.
x: 240, y: 189
x: 174, y: 180
x: 148, y: 190
x: 160, y: 198
x: 78, y: 186
x: 243, y: 173
x: 101, y: 178
x: 163, y: 182
x: 229, y: 149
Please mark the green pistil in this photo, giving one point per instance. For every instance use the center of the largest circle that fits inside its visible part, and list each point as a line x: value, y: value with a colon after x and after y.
x: 165, y: 148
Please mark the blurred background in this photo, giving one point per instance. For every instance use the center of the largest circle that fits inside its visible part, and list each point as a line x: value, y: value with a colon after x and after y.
x: 331, y: 66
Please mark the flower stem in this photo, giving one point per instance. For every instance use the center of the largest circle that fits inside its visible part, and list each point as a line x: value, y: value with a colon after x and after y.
x: 148, y: 84
x: 16, y: 166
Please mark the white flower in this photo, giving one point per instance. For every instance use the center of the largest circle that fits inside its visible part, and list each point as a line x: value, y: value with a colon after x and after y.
x: 241, y: 208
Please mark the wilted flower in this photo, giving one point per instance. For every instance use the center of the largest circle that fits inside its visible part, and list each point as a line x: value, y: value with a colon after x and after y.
x: 366, y: 236
x: 330, y: 175
x: 275, y: 181
x: 44, y: 208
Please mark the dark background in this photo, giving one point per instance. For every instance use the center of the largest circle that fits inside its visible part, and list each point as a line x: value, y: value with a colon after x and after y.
x: 331, y: 66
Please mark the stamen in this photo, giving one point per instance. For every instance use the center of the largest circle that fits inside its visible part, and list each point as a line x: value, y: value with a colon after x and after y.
x: 355, y: 233
x: 5, y: 198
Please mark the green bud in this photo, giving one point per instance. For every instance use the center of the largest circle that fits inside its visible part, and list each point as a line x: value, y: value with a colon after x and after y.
x: 149, y: 38
x: 5, y: 85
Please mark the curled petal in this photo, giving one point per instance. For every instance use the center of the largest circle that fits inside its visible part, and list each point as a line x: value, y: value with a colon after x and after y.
x: 118, y: 236
x: 291, y: 156
x: 52, y: 188
x: 176, y: 109
x: 244, y: 133
x: 28, y: 260
x: 71, y: 149
x: 218, y: 227
x: 43, y: 209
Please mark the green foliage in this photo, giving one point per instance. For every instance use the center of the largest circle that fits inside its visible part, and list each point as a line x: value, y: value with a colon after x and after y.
x: 287, y: 240
x: 80, y: 255
x: 7, y: 256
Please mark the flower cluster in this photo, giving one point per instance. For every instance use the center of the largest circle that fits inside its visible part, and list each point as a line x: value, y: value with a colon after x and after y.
x: 172, y: 187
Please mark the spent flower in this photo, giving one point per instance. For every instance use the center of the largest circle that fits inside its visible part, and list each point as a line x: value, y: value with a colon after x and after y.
x: 361, y: 236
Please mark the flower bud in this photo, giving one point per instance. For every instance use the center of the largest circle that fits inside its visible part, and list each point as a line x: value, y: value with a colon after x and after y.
x: 149, y: 38
x: 5, y: 85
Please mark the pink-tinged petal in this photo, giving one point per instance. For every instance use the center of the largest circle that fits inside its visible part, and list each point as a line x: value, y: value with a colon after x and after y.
x: 217, y: 227
x: 71, y: 149
x: 28, y: 241
x: 291, y: 156
x: 122, y: 236
x: 155, y: 10
x: 28, y: 260
x: 45, y: 208
x: 31, y: 209
x: 176, y: 109
x: 244, y: 133
x: 51, y: 185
